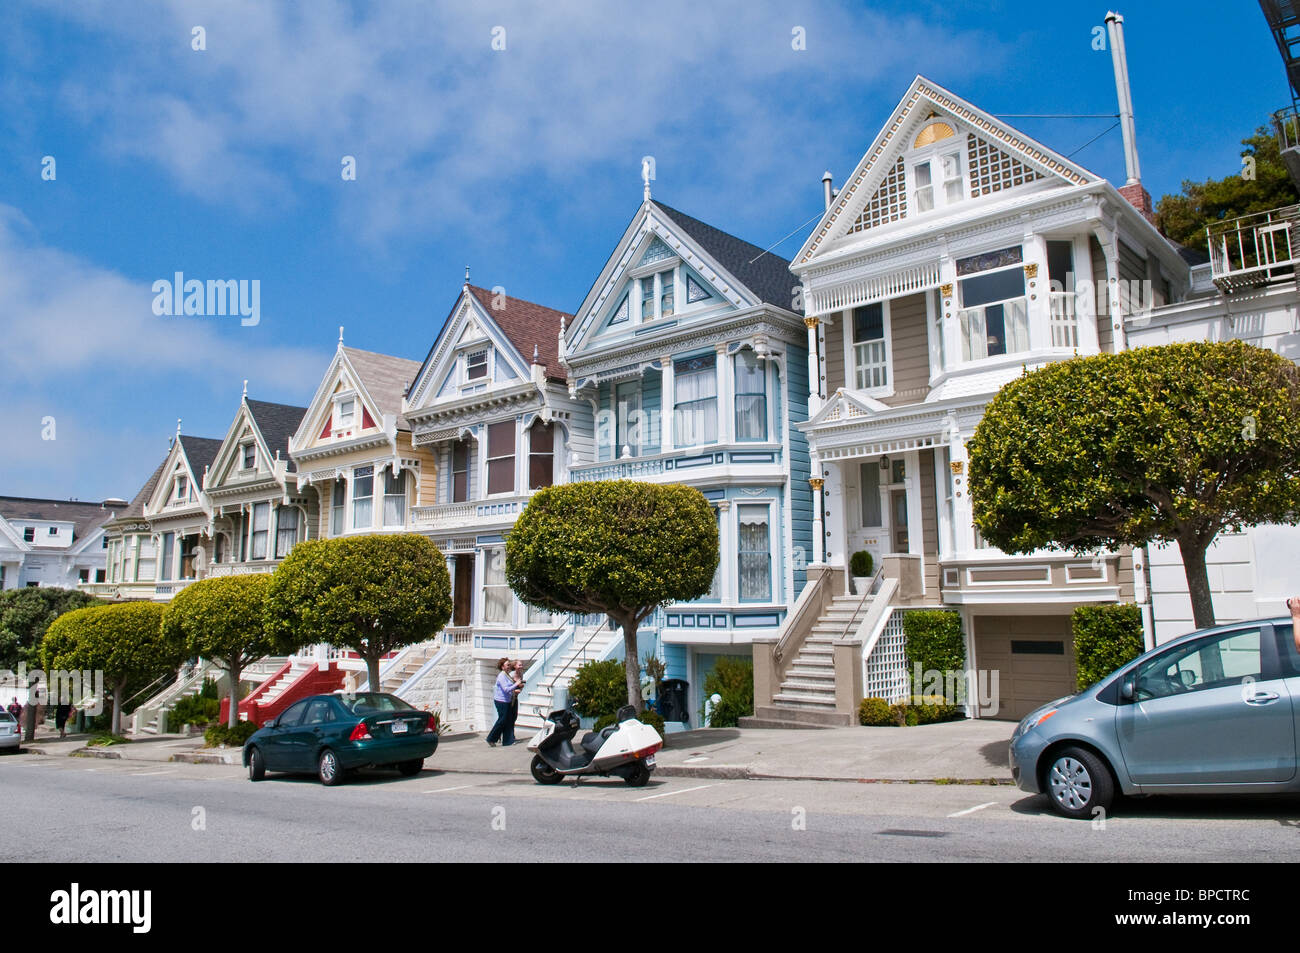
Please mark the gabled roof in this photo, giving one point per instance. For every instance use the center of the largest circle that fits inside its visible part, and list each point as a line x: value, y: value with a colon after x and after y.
x: 528, y: 326
x: 765, y: 274
x: 84, y: 517
x: 135, y: 509
x: 277, y: 423
x: 923, y: 98
x: 384, y: 377
x: 200, y: 452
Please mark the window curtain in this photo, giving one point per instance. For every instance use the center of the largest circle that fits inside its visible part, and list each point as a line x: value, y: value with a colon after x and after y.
x: 394, y: 498
x: 696, y: 410
x: 974, y: 339
x: 541, y: 456
x: 363, y: 493
x: 755, y: 554
x: 286, y: 530
x: 261, y: 528
x: 496, y: 594
x: 751, y: 397
x: 167, y: 542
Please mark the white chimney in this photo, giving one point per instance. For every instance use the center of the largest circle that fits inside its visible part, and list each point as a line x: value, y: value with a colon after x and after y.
x: 1115, y: 27
x: 826, y: 187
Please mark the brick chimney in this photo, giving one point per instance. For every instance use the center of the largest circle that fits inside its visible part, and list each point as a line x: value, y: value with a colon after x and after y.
x: 1140, y: 199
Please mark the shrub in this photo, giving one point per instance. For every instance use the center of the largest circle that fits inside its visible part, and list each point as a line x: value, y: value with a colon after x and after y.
x: 934, y: 641
x: 231, y: 737
x: 902, y: 714
x: 598, y: 688
x: 1105, y: 637
x: 209, y: 689
x: 861, y: 563
x: 194, y: 710
x: 647, y: 717
x: 104, y: 739
x: 875, y: 712
x: 931, y: 709
x: 733, y: 679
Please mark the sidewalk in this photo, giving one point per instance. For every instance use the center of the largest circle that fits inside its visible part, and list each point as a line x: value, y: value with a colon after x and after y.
x: 964, y: 751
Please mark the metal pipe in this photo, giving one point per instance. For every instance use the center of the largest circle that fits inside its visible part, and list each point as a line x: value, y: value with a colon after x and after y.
x: 1115, y: 27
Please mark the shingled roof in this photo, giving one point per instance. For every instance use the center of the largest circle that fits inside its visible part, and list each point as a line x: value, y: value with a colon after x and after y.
x: 278, y: 423
x: 765, y: 274
x: 84, y: 517
x: 200, y: 452
x: 385, y: 377
x: 528, y: 326
x: 135, y: 509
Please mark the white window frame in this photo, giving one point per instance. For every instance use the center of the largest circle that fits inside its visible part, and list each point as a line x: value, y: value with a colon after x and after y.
x: 770, y: 384
x: 963, y: 338
x: 772, y: 552
x: 851, y: 351
x: 933, y: 155
x: 484, y: 586
x: 404, y: 496
x: 352, y: 497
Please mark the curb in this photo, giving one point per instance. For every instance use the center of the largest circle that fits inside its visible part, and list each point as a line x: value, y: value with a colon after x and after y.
x: 228, y: 758
x: 96, y: 753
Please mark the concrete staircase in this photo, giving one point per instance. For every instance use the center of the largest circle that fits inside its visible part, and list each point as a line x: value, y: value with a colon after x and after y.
x: 540, y: 685
x: 399, y: 671
x: 150, y: 716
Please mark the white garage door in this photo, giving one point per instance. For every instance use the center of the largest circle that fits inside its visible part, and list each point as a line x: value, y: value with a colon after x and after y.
x: 1034, y: 656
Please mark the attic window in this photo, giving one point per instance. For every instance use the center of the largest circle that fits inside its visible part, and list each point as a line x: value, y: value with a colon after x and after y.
x: 248, y: 454
x: 476, y: 365
x: 347, y: 412
x: 182, y: 488
x: 54, y: 531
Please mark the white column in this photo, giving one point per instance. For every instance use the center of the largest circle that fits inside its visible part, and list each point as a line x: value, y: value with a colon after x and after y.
x: 912, y: 479
x: 962, y: 528
x: 814, y: 369
x: 819, y: 528
x: 666, y: 406
x: 728, y: 546
x: 726, y: 396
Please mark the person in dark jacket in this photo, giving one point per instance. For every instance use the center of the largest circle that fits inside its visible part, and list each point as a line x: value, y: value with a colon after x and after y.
x: 61, y: 713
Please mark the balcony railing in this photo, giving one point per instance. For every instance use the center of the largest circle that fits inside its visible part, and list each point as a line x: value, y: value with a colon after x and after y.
x: 243, y: 569
x: 452, y: 515
x: 618, y: 470
x: 1255, y: 249
x: 1064, y: 319
x: 872, y: 364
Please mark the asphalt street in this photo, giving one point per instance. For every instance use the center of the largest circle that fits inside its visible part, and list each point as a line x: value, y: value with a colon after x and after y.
x: 60, y: 809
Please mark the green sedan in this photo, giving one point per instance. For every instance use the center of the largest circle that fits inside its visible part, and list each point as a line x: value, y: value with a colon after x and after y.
x: 335, y: 734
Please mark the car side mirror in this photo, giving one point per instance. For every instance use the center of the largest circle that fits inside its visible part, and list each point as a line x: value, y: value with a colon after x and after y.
x: 1126, y: 691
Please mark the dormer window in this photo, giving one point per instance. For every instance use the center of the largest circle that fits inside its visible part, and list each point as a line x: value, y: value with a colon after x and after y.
x: 182, y: 488
x: 347, y: 412
x: 937, y: 181
x: 248, y: 456
x: 476, y: 365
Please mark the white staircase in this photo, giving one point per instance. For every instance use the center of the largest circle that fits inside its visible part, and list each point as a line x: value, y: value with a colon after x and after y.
x: 297, y: 667
x: 809, y: 684
x: 577, y: 646
x: 147, y: 716
x: 399, y: 670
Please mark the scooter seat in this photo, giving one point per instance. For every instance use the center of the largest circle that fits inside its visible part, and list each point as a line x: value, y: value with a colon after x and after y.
x: 591, y: 742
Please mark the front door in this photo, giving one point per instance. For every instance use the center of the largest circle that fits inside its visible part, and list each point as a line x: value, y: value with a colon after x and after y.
x: 1211, y: 711
x: 462, y: 601
x: 898, y: 511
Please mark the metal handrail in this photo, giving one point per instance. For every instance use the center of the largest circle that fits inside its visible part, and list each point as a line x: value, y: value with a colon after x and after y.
x: 866, y: 594
x: 795, y: 616
x: 150, y: 686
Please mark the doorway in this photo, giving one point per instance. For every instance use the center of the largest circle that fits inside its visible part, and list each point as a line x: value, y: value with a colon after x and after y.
x: 463, y: 593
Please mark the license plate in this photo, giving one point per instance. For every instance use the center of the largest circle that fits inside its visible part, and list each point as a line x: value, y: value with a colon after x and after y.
x: 399, y: 727
x: 650, y: 761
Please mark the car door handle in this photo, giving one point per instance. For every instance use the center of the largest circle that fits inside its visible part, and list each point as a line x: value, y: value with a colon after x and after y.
x: 1262, y: 698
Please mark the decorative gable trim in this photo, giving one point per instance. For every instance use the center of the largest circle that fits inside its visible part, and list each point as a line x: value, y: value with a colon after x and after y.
x: 870, y: 174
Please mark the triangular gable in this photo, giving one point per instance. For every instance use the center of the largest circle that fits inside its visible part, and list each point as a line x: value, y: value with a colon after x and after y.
x: 998, y: 157
x: 229, y: 462
x: 318, y: 425
x: 649, y: 229
x: 11, y: 534
x: 469, y: 324
x: 844, y: 405
x: 165, y: 489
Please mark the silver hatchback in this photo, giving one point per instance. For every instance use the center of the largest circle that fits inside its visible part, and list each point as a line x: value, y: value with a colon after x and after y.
x: 10, y: 732
x: 1216, y: 711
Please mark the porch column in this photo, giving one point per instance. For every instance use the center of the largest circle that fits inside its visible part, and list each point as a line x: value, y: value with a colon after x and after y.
x: 726, y: 398
x: 666, y: 405
x: 819, y: 528
x: 814, y: 370
x: 963, y: 531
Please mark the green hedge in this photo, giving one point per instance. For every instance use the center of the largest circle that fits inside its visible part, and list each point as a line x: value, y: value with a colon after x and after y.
x: 598, y: 688
x: 861, y: 563
x: 193, y: 710
x: 875, y: 712
x: 231, y: 737
x: 921, y: 710
x: 934, y: 641
x: 733, y: 679
x: 1105, y: 637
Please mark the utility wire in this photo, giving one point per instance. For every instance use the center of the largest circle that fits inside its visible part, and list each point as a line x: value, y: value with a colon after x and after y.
x: 1057, y: 115
x: 795, y: 232
x: 1092, y: 140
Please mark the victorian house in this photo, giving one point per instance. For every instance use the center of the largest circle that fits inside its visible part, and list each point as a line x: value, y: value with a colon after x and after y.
x: 131, y: 570
x: 179, y: 515
x: 57, y: 543
x: 689, y: 351
x: 958, y: 253
x: 258, y: 511
x: 491, y: 406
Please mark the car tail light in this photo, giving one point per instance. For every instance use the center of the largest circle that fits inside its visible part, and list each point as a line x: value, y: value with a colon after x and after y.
x: 431, y: 727
x: 360, y: 733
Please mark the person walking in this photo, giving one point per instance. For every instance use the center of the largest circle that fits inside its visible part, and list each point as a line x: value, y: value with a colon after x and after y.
x: 16, y: 710
x: 502, y: 696
x: 516, y: 671
x: 61, y: 713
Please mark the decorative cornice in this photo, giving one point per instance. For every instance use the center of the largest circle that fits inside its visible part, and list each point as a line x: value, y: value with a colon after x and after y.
x: 473, y: 405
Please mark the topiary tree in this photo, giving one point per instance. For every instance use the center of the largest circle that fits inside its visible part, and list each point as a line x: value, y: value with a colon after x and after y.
x: 1160, y: 444
x: 223, y: 618
x: 614, y: 547
x: 372, y: 594
x: 25, y: 615
x: 125, y: 641
x: 1105, y: 637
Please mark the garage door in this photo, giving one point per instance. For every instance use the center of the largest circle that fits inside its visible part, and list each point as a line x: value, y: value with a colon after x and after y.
x: 1034, y: 656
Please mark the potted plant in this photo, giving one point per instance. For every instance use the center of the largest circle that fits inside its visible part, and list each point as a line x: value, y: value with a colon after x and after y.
x: 861, y: 566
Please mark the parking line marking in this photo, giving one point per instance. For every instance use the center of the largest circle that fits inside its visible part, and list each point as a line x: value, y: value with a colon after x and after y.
x: 149, y: 774
x: 459, y: 787
x: 698, y: 787
x: 972, y: 810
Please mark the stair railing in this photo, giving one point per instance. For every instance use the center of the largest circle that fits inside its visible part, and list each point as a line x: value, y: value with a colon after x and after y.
x: 583, y: 652
x: 867, y: 590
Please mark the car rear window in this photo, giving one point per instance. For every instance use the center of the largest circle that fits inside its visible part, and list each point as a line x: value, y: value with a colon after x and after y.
x: 373, y: 701
x: 5, y: 716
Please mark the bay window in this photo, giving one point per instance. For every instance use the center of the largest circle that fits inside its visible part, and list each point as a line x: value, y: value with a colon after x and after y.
x: 363, y: 497
x: 261, y: 529
x: 286, y: 530
x: 751, y: 397
x: 497, y: 597
x: 501, y: 457
x: 338, y: 504
x: 695, y: 412
x: 754, y: 553
x: 993, y: 318
x: 541, y: 455
x: 870, y: 351
x: 168, y: 541
x: 460, y: 471
x: 394, y: 498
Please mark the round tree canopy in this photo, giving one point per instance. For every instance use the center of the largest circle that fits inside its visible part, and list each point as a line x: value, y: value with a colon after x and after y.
x: 221, y: 617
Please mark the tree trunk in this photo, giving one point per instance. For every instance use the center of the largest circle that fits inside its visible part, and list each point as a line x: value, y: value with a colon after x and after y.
x: 233, y: 671
x: 372, y: 672
x: 630, y: 663
x: 1198, y: 582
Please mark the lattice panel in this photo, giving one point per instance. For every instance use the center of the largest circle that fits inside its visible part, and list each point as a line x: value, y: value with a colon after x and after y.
x: 992, y: 170
x: 889, y: 204
x: 887, y: 665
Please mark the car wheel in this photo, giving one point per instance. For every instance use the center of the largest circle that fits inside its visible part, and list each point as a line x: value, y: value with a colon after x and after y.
x: 1078, y: 784
x: 328, y: 769
x: 411, y: 768
x: 543, y: 773
x: 639, y: 776
x: 256, y: 765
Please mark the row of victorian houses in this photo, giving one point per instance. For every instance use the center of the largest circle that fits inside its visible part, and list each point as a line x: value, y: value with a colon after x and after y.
x: 822, y: 405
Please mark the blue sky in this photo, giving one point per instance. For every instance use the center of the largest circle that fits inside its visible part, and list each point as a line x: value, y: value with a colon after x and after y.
x: 523, y: 163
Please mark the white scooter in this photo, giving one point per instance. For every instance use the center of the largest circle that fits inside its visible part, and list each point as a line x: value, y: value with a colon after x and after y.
x: 626, y: 749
